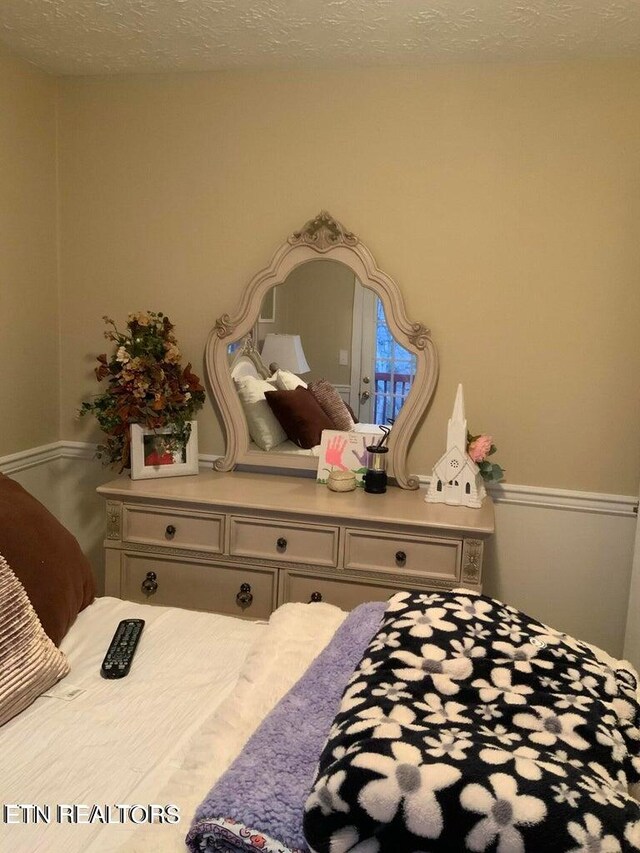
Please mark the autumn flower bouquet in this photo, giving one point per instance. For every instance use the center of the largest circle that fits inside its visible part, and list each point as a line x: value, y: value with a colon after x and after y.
x: 479, y: 447
x: 146, y: 385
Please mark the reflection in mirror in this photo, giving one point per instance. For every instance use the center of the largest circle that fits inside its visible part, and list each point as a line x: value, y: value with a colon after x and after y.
x: 244, y: 360
x: 324, y: 288
x: 284, y: 352
x: 342, y: 331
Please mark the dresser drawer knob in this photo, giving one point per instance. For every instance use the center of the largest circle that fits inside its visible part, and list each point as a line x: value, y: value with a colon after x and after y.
x: 401, y: 558
x: 315, y: 596
x: 170, y: 531
x: 245, y: 596
x: 281, y: 544
x: 150, y: 584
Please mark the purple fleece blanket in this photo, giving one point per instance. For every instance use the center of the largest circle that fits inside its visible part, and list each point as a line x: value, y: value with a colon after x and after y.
x: 258, y: 804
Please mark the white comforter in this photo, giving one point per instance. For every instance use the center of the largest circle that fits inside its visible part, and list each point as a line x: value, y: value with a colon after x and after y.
x: 163, y: 734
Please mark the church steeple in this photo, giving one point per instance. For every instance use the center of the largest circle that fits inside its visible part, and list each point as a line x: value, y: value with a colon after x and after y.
x: 457, y: 426
x: 456, y: 478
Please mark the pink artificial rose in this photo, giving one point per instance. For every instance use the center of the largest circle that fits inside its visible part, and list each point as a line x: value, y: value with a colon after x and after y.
x: 479, y: 449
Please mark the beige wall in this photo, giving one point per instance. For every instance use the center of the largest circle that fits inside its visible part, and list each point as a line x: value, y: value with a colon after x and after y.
x: 29, y: 319
x: 503, y: 199
x: 317, y: 303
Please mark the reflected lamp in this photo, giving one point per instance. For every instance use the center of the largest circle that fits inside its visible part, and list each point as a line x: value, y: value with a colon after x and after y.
x: 284, y: 352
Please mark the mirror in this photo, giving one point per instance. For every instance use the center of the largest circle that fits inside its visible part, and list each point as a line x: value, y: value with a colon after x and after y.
x: 343, y: 320
x: 344, y: 337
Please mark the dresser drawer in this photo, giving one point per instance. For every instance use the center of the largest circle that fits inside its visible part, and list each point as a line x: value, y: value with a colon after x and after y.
x: 412, y: 556
x: 198, y: 586
x: 345, y: 593
x: 283, y: 541
x: 179, y: 529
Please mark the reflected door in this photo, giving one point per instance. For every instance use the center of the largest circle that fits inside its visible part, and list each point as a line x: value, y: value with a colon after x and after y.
x: 363, y: 352
x: 382, y: 370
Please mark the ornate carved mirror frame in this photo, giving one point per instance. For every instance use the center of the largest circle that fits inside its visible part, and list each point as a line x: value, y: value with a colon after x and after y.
x: 320, y: 238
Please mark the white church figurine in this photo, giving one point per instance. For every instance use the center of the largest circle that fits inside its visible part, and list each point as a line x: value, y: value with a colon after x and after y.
x: 456, y: 478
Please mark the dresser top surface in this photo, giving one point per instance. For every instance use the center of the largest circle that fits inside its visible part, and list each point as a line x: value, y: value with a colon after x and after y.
x: 241, y: 491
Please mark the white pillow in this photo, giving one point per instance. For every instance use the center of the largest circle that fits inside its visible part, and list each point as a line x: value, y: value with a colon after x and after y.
x: 264, y: 427
x: 29, y: 662
x: 285, y: 380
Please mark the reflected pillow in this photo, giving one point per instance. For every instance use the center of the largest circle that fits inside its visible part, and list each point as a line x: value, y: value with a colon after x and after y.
x: 332, y: 404
x: 300, y: 414
x: 29, y: 662
x: 352, y: 413
x: 45, y: 558
x: 285, y: 380
x: 264, y: 427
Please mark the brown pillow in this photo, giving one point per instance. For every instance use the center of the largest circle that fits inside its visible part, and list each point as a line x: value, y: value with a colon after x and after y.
x: 300, y: 415
x: 29, y: 662
x: 332, y: 404
x: 45, y: 557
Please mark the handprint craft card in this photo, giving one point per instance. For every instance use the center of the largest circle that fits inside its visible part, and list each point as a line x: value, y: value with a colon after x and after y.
x: 344, y: 451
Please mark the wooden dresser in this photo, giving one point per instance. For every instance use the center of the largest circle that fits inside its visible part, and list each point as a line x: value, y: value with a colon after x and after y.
x: 243, y: 543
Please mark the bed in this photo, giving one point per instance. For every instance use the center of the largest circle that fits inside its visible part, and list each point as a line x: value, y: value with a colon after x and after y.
x: 169, y: 731
x: 109, y: 743
x: 283, y: 413
x: 136, y: 741
x: 434, y: 721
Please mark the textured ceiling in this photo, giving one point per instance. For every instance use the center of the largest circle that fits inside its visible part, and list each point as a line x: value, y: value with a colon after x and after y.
x: 116, y: 36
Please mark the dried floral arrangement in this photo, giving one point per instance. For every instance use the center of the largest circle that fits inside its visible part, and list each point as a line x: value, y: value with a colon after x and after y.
x: 146, y: 385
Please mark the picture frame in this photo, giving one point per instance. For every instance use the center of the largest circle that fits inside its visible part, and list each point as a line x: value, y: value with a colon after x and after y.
x: 268, y: 307
x: 153, y: 453
x: 344, y: 451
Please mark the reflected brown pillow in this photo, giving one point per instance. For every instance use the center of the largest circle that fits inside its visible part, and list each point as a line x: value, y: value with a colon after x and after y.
x: 300, y: 415
x: 46, y: 559
x: 332, y: 404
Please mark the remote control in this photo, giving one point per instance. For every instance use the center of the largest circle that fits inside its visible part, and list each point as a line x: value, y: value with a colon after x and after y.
x: 117, y: 661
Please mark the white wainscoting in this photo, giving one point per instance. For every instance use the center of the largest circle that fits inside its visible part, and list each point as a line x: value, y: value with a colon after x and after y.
x: 345, y: 392
x: 632, y: 634
x: 563, y: 556
x: 37, y: 470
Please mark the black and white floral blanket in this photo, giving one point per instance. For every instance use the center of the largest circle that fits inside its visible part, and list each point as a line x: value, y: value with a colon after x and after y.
x: 471, y: 726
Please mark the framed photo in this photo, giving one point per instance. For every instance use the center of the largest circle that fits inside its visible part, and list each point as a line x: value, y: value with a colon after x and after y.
x: 344, y: 451
x: 156, y: 453
x: 268, y: 307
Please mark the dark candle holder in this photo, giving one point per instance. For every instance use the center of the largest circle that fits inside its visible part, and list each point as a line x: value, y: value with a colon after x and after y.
x: 375, y: 477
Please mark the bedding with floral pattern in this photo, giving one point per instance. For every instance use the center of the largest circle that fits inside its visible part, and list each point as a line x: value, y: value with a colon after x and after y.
x: 470, y: 726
